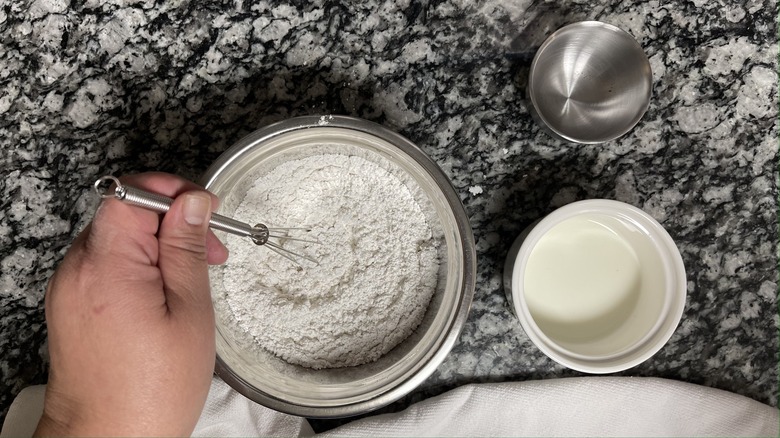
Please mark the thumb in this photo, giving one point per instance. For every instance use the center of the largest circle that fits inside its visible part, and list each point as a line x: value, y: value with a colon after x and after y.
x: 183, y: 258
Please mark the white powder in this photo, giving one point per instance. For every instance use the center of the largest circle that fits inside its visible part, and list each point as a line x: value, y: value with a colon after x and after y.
x: 378, y: 262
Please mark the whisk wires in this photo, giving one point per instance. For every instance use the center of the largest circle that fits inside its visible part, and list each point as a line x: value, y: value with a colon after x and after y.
x: 282, y: 234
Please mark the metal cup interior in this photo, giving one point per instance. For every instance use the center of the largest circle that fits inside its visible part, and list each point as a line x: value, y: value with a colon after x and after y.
x: 590, y: 82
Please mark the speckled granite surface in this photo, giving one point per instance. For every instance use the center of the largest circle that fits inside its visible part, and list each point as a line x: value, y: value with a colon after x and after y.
x: 90, y: 88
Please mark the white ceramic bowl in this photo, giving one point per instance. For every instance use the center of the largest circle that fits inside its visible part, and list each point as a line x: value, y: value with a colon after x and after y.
x: 599, y: 286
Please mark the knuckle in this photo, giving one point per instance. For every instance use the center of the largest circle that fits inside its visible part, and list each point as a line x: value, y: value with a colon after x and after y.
x: 193, y: 246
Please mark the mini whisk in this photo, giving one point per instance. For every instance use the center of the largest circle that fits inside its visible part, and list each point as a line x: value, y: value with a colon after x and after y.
x: 260, y: 233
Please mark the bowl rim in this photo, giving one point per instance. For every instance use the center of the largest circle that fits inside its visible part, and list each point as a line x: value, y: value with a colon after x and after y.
x: 465, y: 233
x: 591, y: 24
x: 654, y: 340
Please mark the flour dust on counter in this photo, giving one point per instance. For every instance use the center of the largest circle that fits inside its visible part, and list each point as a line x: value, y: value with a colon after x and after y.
x: 377, y: 264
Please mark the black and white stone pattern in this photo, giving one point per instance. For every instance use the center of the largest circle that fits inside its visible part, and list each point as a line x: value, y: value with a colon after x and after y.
x: 92, y: 87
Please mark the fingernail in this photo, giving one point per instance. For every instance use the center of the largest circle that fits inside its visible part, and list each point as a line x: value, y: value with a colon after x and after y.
x: 197, y: 207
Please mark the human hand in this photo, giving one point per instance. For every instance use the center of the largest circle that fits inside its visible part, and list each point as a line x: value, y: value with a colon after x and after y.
x: 130, y: 320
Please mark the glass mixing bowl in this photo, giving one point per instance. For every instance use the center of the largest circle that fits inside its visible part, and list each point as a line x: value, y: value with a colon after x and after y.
x: 346, y: 391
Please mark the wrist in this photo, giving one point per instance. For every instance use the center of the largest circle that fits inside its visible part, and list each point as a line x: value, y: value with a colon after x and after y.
x: 62, y: 417
x: 50, y: 426
x: 59, y: 417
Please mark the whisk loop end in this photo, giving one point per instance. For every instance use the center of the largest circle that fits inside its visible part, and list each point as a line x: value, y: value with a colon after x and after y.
x: 260, y: 234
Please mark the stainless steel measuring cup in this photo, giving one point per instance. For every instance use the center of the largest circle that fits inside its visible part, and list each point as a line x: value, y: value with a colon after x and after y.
x: 590, y: 82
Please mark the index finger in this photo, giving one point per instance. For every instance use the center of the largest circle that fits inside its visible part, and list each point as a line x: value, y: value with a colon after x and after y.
x: 123, y: 230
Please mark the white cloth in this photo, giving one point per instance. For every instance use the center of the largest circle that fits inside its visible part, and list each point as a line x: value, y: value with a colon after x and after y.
x: 24, y: 413
x: 228, y: 413
x: 583, y: 406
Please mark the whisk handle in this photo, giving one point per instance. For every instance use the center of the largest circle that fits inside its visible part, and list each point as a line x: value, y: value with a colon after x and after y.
x: 161, y: 204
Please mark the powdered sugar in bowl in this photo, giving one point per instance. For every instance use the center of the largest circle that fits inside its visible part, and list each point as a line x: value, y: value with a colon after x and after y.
x: 395, y: 277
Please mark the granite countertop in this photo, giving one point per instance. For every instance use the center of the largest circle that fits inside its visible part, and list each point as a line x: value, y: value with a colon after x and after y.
x: 124, y: 86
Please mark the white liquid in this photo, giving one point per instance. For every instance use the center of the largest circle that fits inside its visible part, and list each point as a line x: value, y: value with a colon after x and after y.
x: 594, y: 285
